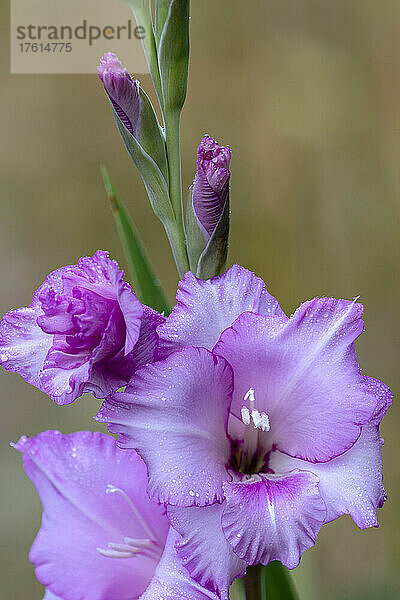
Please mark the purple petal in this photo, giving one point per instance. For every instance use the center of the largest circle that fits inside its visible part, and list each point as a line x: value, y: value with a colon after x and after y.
x: 64, y: 376
x: 23, y: 345
x: 49, y: 596
x: 172, y: 581
x: 305, y: 376
x: 270, y: 517
x: 383, y: 397
x: 145, y: 348
x: 204, y: 549
x: 174, y: 412
x: 92, y: 494
x: 122, y: 90
x: 205, y: 309
x: 210, y: 186
x: 108, y: 376
x: 349, y: 484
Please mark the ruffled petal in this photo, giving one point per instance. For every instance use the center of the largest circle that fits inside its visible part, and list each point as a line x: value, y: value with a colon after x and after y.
x: 175, y: 412
x: 305, y: 376
x: 64, y: 375
x: 172, y: 581
x: 92, y: 494
x: 205, y: 309
x: 23, y: 345
x: 204, y: 549
x: 126, y: 364
x: 270, y: 517
x: 349, y: 484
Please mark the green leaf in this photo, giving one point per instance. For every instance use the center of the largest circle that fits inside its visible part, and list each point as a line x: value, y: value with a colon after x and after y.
x: 147, y: 286
x: 173, y: 56
x: 162, y: 8
x: 276, y: 582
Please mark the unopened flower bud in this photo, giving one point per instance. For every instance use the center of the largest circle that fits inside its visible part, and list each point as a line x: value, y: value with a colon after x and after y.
x: 211, y: 184
x: 208, y: 210
x: 139, y: 128
x: 122, y: 89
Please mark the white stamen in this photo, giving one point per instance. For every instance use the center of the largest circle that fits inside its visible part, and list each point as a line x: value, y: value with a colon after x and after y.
x: 112, y: 489
x: 114, y: 553
x: 245, y: 415
x: 250, y: 396
x: 130, y: 546
x: 260, y: 420
x: 138, y: 543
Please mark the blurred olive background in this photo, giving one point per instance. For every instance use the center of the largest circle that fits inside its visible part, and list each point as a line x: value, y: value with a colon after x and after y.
x: 307, y: 94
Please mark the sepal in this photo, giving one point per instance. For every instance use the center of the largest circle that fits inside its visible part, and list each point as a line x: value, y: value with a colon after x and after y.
x: 153, y: 179
x: 142, y: 12
x: 173, y: 53
x: 207, y: 257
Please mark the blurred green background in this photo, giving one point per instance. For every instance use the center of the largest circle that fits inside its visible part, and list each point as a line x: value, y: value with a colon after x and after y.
x: 307, y: 94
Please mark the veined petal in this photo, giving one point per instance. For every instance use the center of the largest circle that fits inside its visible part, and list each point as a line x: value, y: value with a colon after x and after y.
x: 270, y: 517
x: 205, y: 309
x: 175, y: 412
x: 92, y: 494
x: 204, y: 550
x: 172, y: 581
x: 305, y: 376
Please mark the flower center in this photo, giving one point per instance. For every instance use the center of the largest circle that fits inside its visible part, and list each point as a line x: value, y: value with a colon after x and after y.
x: 250, y: 456
x: 131, y: 547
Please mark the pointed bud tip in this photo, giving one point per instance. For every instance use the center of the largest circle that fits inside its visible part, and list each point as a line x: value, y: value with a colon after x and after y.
x: 210, y: 151
x: 122, y: 89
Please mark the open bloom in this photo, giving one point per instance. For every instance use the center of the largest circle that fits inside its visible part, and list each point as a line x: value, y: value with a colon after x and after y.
x: 101, y: 537
x: 85, y: 330
x: 256, y: 428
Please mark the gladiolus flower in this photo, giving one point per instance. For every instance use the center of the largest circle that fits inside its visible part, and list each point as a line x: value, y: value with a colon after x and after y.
x: 101, y: 537
x: 257, y: 428
x: 85, y: 330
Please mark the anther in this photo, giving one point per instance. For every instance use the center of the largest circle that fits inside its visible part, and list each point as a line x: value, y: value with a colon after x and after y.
x: 260, y: 419
x: 245, y: 415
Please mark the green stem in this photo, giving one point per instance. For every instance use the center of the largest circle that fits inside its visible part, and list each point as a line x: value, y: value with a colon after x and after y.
x: 172, y: 141
x: 177, y: 242
x: 276, y: 583
x: 269, y: 583
x: 252, y: 583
